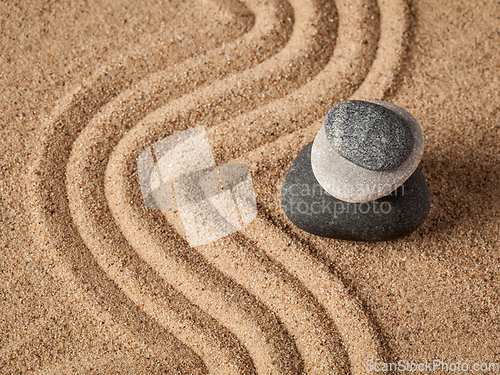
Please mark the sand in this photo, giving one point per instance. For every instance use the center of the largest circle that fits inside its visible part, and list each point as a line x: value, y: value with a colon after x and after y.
x: 93, y: 282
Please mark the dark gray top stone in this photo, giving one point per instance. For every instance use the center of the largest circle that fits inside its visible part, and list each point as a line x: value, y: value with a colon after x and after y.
x: 368, y: 135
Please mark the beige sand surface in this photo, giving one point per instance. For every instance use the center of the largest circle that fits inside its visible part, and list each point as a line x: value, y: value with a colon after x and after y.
x: 93, y: 282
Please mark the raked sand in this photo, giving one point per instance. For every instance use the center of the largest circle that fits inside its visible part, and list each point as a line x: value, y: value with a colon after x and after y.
x: 93, y: 282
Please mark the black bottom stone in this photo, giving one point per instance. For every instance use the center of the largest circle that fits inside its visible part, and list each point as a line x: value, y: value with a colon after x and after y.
x: 313, y: 210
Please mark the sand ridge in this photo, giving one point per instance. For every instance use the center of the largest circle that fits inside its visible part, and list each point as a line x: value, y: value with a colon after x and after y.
x: 84, y: 202
x: 120, y: 207
x: 87, y: 200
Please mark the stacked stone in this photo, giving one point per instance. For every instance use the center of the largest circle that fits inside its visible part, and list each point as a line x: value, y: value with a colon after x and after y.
x: 359, y: 178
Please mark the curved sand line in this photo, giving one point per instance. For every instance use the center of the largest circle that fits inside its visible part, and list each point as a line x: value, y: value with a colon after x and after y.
x: 79, y: 200
x: 52, y: 238
x: 270, y: 33
x: 355, y: 328
x: 321, y: 358
x: 353, y: 55
x: 333, y: 84
x: 76, y: 269
x: 392, y: 46
x: 243, y: 91
x: 311, y: 327
x: 372, y: 345
x: 344, y: 308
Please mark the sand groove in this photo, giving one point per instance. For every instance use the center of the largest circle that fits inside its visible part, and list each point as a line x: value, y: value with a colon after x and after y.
x: 339, y: 80
x: 306, y: 281
x: 355, y: 328
x: 353, y: 324
x: 281, y: 73
x: 84, y: 197
x: 351, y: 321
x: 351, y: 61
x: 247, y: 265
x: 271, y: 20
x: 343, y: 307
x: 308, y: 324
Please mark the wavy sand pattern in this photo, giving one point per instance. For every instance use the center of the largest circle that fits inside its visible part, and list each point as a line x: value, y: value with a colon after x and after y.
x: 238, y: 305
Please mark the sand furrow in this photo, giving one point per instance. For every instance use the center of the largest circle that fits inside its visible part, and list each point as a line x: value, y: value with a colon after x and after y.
x: 310, y: 341
x: 361, y: 340
x: 345, y: 310
x: 355, y: 49
x: 48, y: 203
x: 314, y: 333
x: 272, y: 351
x: 272, y: 79
x: 238, y: 93
x: 270, y: 33
x: 392, y: 46
x: 89, y: 149
x: 271, y: 161
x: 344, y: 307
x: 225, y: 260
x: 82, y: 276
x: 337, y: 82
x: 74, y: 67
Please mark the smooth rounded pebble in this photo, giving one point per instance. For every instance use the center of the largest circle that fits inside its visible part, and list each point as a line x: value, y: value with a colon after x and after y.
x: 351, y: 183
x: 313, y: 210
x: 368, y: 134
